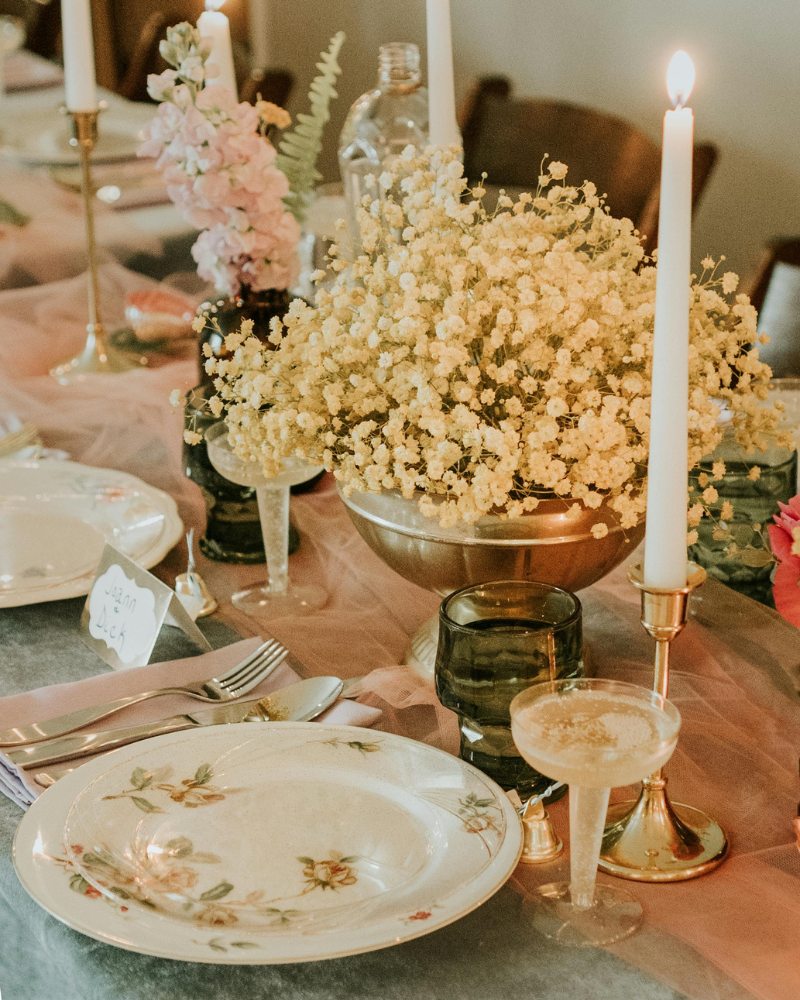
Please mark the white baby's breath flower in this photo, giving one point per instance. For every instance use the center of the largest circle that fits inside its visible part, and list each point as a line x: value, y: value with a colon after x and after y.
x: 482, y: 360
x: 730, y: 282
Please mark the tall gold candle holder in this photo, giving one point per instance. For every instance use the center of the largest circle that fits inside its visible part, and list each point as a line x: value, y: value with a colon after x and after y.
x: 652, y: 839
x: 98, y: 357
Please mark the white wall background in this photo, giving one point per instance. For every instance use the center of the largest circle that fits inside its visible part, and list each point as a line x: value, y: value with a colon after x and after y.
x: 612, y: 55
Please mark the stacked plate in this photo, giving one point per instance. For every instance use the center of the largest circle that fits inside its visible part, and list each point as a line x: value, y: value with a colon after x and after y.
x: 286, y: 842
x: 55, y: 518
x: 41, y: 136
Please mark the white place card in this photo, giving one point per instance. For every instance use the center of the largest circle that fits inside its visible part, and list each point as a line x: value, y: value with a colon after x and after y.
x: 126, y: 609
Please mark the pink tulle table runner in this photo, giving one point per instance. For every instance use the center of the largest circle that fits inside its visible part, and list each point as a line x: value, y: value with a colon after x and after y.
x: 731, y: 935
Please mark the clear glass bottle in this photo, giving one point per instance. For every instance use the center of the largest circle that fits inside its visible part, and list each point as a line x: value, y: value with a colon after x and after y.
x: 382, y: 123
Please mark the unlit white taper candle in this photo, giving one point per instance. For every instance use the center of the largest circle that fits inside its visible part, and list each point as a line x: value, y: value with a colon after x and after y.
x: 79, y: 79
x: 215, y: 26
x: 259, y: 34
x: 441, y: 88
x: 667, y: 475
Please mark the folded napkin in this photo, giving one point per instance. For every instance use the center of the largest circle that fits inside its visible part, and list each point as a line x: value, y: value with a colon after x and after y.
x: 58, y: 699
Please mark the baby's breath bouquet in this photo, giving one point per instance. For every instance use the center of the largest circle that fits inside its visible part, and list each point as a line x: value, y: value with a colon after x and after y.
x: 483, y: 360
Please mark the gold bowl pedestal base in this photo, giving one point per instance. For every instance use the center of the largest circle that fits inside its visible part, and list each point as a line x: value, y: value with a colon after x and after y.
x: 654, y: 840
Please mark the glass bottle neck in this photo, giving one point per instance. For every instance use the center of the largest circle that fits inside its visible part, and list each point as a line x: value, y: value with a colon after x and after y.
x: 398, y: 68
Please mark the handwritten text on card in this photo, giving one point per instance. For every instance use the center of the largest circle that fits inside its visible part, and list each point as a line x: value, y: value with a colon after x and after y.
x: 122, y: 614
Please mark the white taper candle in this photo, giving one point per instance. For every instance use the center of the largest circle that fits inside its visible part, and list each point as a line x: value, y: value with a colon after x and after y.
x: 215, y: 26
x: 667, y: 475
x: 79, y: 79
x: 441, y: 88
x: 259, y: 35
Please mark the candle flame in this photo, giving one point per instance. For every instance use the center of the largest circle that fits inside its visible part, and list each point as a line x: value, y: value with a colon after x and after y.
x: 214, y: 4
x: 680, y: 78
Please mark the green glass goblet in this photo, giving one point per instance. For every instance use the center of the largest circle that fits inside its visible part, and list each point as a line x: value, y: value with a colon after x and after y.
x: 495, y: 640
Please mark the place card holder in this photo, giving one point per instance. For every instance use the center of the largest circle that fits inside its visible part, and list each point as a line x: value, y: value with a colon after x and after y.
x: 125, y: 610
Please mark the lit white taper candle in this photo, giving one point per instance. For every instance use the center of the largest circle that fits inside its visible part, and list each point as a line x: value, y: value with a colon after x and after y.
x: 215, y: 26
x: 667, y: 476
x: 76, y: 31
x: 259, y: 35
x: 441, y: 88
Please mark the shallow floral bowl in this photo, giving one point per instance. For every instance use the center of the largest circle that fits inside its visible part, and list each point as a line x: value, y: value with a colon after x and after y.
x: 553, y: 544
x: 286, y: 842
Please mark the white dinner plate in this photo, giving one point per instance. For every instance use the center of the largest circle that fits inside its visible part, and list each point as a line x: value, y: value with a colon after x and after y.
x: 55, y: 518
x: 286, y: 842
x: 40, y: 137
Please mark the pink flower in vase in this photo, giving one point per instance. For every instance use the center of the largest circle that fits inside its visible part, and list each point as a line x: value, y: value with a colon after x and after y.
x: 219, y: 171
x: 784, y: 538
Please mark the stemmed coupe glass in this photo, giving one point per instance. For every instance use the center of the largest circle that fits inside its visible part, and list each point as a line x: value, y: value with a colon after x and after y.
x: 594, y: 735
x: 279, y: 597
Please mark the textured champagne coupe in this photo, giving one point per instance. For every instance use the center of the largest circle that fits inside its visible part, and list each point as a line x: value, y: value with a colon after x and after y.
x: 279, y: 597
x: 594, y: 735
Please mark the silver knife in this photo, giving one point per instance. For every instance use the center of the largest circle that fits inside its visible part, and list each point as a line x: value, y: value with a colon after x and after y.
x: 296, y: 703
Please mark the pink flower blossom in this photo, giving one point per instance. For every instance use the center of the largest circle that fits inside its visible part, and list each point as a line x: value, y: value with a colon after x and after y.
x: 219, y: 171
x: 786, y: 585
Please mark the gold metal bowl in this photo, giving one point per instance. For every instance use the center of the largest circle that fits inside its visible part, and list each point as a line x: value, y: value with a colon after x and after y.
x: 552, y: 544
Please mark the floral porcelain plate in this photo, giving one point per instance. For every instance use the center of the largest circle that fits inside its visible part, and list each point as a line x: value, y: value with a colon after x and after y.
x: 55, y: 518
x: 290, y: 842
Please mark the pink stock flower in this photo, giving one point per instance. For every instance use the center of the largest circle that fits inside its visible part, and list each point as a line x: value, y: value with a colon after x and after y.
x: 219, y: 171
x: 784, y: 538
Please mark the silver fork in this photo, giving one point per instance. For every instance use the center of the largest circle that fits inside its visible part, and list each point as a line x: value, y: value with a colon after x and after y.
x: 236, y: 682
x: 52, y: 775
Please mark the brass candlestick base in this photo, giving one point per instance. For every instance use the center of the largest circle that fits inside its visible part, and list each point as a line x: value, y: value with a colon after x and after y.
x: 650, y: 840
x: 97, y: 356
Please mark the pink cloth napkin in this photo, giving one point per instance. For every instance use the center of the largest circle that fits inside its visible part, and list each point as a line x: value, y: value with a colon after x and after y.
x: 48, y: 702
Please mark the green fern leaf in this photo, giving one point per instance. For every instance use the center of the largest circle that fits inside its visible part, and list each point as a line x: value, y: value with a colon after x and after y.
x: 299, y: 149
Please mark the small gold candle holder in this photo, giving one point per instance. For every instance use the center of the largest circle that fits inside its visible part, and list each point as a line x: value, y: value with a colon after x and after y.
x: 652, y: 839
x: 98, y: 357
x: 541, y: 843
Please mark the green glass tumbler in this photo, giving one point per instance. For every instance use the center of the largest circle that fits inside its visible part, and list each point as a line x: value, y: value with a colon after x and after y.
x: 495, y: 640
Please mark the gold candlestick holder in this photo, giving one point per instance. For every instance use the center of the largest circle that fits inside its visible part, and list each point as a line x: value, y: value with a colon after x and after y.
x: 98, y: 357
x: 652, y: 839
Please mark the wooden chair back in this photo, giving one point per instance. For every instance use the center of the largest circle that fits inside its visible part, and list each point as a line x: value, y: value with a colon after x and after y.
x: 273, y: 85
x: 508, y: 137
x: 775, y: 292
